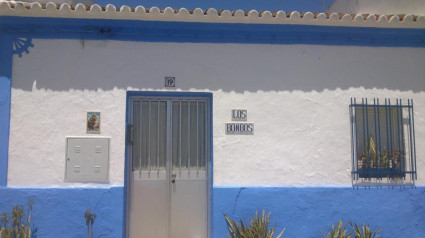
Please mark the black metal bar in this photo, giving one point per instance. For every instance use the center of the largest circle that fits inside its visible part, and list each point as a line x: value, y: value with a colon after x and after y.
x: 364, y: 132
x: 188, y: 135
x: 197, y: 136
x: 379, y: 128
x: 141, y: 134
x: 376, y: 142
x: 351, y: 133
x: 180, y: 135
x: 157, y: 133
x: 387, y: 130
x: 352, y: 138
x: 410, y: 136
x: 206, y: 135
x: 414, y: 141
x: 398, y: 134
x: 149, y: 136
x: 391, y: 131
x: 356, y: 141
x: 397, y: 142
x: 367, y: 132
x: 403, y: 159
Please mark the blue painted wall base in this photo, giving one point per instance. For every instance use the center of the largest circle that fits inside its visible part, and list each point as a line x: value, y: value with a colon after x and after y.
x: 305, y: 211
x: 58, y: 212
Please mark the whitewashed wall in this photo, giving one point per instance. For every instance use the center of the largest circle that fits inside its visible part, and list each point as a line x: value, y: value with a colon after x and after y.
x: 297, y: 96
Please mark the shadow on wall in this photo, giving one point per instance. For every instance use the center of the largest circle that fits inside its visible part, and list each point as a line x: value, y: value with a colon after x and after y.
x: 72, y: 2
x: 61, y: 65
x: 271, y: 5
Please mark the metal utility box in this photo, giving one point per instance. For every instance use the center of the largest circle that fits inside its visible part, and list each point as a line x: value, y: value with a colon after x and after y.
x: 87, y: 159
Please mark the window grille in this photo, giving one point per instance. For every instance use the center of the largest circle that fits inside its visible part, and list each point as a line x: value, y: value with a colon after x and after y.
x: 188, y: 129
x: 382, y: 140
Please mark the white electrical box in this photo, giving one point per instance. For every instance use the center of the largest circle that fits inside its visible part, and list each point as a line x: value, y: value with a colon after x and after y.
x: 87, y: 159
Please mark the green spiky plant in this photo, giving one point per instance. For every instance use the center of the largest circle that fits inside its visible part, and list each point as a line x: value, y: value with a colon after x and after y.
x: 13, y: 226
x: 259, y: 227
x: 365, y: 231
x: 90, y: 217
x: 337, y: 232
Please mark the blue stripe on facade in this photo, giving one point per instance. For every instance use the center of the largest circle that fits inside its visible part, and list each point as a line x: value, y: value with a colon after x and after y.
x: 270, y: 5
x: 195, y: 32
x: 303, y: 211
x: 5, y: 89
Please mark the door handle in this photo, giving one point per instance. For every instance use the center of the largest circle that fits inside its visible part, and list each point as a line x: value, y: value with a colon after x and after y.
x: 173, y: 178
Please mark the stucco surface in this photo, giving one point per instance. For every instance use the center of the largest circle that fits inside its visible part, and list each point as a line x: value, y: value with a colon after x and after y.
x: 296, y: 95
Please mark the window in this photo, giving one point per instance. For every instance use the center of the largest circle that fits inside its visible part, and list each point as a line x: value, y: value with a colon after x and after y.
x: 383, y: 141
x: 186, y: 125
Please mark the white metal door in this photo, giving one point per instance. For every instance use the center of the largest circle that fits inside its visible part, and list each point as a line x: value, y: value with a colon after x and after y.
x: 168, y: 184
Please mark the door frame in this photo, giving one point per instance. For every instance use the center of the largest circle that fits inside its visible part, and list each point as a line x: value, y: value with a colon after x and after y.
x: 127, y: 168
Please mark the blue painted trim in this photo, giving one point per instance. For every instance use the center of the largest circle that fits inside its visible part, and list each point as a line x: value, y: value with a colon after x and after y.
x: 5, y: 94
x: 165, y: 94
x: 211, y: 170
x: 270, y: 5
x: 126, y: 169
x: 156, y: 31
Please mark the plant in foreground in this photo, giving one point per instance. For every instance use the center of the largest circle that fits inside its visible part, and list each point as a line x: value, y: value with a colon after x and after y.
x: 13, y: 226
x: 90, y: 217
x: 338, y: 232
x: 365, y: 232
x: 259, y: 227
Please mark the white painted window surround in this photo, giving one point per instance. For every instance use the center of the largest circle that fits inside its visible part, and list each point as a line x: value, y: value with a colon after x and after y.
x: 297, y: 96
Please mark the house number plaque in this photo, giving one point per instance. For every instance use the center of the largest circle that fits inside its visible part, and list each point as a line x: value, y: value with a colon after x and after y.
x: 170, y: 82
